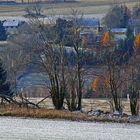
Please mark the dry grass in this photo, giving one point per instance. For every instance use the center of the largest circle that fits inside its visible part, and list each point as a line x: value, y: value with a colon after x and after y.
x: 87, y: 104
x: 54, y: 114
x: 14, y: 111
x: 40, y: 113
x: 103, y: 104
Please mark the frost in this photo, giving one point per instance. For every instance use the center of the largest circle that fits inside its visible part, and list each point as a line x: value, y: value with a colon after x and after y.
x: 39, y: 129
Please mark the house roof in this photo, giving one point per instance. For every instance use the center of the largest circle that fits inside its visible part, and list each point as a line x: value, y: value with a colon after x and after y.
x: 86, y: 32
x: 89, y: 22
x: 118, y: 30
x: 13, y: 23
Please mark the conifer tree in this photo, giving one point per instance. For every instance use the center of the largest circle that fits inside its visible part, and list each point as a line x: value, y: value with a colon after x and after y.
x: 5, y: 90
x: 3, y: 35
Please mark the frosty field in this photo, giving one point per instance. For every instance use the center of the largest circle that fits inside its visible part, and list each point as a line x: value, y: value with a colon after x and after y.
x: 87, y: 7
x: 39, y: 129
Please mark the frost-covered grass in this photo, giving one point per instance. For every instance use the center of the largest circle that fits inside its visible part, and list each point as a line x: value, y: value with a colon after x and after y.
x: 40, y: 129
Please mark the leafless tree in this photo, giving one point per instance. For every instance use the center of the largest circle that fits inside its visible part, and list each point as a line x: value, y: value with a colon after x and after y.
x: 52, y: 62
x: 114, y: 77
x: 76, y: 79
x: 34, y: 10
x: 51, y: 55
x: 133, y: 84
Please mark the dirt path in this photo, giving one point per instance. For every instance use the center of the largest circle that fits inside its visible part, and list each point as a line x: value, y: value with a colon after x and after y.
x: 33, y: 129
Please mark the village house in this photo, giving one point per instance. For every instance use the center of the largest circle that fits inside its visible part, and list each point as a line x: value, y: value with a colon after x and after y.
x: 32, y: 1
x: 119, y: 33
x: 91, y: 31
x: 11, y: 26
x: 90, y: 24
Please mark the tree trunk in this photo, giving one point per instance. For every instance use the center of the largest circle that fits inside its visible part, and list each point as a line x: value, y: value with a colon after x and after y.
x: 79, y: 86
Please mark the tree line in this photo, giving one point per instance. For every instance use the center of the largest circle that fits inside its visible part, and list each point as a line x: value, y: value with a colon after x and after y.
x: 66, y: 78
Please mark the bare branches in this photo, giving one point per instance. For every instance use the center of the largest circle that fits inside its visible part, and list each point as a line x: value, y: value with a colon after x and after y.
x: 34, y: 11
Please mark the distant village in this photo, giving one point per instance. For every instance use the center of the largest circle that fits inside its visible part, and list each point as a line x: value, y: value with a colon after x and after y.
x: 92, y: 33
x: 74, y: 57
x: 92, y: 29
x: 31, y: 1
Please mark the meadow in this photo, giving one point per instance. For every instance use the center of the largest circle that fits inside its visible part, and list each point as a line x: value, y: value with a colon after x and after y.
x: 87, y: 104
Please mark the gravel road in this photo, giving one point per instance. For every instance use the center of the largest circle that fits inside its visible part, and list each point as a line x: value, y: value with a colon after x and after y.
x: 39, y: 129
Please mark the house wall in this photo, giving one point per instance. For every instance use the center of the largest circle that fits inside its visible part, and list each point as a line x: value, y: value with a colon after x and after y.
x: 93, y: 29
x: 119, y: 35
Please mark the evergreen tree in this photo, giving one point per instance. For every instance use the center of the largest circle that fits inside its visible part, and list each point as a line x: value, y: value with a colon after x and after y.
x: 117, y: 17
x: 3, y: 35
x: 5, y: 90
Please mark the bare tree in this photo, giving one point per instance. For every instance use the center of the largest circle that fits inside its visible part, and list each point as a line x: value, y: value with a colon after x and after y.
x: 51, y: 54
x: 133, y: 84
x: 76, y: 81
x: 17, y: 60
x: 72, y: 89
x: 136, y: 11
x: 34, y: 10
x: 51, y: 57
x: 115, y: 76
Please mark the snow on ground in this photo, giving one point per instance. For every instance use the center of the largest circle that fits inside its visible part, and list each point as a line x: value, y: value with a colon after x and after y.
x: 40, y: 129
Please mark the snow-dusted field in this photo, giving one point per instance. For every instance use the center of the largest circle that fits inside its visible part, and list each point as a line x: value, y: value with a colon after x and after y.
x: 39, y: 129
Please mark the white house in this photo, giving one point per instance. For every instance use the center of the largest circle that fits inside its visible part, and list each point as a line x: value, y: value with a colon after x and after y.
x: 119, y: 33
x: 12, y: 25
